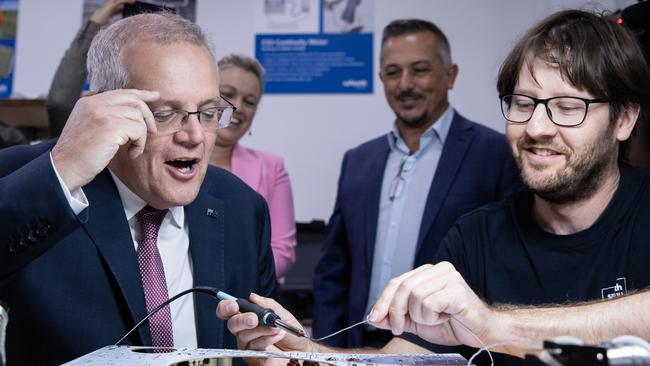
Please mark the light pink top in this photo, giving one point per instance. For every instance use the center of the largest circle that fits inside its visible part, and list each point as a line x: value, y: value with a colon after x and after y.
x: 265, y: 173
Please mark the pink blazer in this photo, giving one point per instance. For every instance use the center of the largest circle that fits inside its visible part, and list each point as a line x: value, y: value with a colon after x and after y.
x: 265, y: 173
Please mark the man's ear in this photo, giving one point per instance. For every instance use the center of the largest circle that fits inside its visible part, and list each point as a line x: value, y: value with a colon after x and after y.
x: 626, y: 121
x: 452, y: 72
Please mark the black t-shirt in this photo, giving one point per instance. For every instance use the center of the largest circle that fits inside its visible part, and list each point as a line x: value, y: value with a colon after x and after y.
x: 505, y: 256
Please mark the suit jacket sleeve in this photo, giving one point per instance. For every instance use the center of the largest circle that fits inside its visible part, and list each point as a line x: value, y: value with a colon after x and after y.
x: 267, y: 279
x: 69, y: 79
x: 283, y: 224
x: 34, y: 213
x: 332, y: 276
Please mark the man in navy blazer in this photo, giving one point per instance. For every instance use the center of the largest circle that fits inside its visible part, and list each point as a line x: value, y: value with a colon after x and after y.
x: 399, y: 194
x: 69, y: 267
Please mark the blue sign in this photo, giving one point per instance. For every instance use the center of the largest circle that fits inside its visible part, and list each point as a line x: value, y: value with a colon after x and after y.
x: 8, y: 19
x: 316, y: 63
x: 7, y: 48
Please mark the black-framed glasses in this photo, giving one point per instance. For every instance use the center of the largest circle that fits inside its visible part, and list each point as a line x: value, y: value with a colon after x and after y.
x: 564, y: 111
x: 211, y: 118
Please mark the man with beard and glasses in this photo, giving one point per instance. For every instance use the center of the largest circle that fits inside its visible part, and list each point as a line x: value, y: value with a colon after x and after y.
x: 400, y: 193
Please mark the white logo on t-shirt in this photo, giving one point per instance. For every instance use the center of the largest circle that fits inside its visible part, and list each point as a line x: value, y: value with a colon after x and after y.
x: 619, y: 289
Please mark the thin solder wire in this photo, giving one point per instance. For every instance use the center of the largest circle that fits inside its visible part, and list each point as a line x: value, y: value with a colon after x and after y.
x: 365, y: 321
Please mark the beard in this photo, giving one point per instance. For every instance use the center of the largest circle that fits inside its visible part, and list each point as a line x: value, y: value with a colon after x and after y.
x: 579, y: 179
x: 412, y: 121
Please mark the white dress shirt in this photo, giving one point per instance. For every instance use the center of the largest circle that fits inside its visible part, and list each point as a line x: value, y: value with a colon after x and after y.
x: 406, y: 184
x: 173, y: 245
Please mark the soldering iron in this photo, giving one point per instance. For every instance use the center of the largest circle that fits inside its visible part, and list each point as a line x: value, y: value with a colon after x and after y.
x: 266, y: 316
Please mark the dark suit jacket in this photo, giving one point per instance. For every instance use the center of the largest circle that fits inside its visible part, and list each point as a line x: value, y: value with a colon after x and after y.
x: 475, y: 168
x: 72, y: 282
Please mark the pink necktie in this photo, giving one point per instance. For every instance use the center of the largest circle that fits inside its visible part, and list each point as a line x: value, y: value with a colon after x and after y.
x: 153, y: 276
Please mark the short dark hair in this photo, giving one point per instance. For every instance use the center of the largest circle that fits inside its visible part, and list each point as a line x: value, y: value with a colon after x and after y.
x: 591, y: 52
x: 402, y: 27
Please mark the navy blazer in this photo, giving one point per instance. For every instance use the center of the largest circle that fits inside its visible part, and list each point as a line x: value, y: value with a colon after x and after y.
x: 72, y: 282
x: 475, y: 168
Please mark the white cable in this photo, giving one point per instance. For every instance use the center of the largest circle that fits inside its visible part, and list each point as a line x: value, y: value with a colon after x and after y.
x: 483, y: 346
x: 339, y: 331
x: 568, y: 340
x: 632, y: 340
x: 469, y: 363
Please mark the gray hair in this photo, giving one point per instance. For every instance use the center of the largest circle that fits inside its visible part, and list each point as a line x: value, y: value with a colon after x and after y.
x: 105, y: 57
x: 245, y: 63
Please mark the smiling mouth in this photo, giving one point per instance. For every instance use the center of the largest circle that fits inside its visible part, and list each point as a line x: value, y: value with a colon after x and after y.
x: 410, y: 98
x: 542, y: 152
x: 408, y: 102
x: 235, y: 121
x: 183, y: 165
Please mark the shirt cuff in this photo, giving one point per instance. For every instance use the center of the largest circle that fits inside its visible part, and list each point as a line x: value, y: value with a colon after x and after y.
x: 77, y: 199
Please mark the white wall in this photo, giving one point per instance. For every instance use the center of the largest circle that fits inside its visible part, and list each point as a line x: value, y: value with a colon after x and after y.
x: 313, y: 131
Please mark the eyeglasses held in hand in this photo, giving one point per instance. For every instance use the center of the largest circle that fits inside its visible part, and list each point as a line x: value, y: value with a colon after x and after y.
x: 563, y: 110
x: 211, y: 118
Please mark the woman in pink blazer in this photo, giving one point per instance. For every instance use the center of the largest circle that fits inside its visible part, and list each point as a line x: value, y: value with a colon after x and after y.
x: 241, y: 83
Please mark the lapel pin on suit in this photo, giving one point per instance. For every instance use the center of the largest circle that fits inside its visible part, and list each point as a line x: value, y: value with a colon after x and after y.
x: 210, y: 212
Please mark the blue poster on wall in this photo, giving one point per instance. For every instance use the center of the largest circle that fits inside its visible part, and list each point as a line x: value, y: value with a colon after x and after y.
x: 8, y: 18
x: 312, y: 46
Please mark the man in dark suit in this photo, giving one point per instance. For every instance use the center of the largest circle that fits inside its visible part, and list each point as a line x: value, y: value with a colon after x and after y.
x: 399, y: 194
x: 122, y: 212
